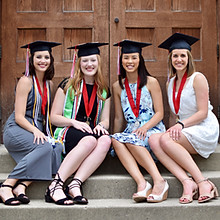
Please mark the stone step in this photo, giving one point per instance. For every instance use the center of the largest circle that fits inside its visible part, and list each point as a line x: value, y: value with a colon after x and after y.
x: 113, y: 209
x: 112, y: 165
x: 114, y: 186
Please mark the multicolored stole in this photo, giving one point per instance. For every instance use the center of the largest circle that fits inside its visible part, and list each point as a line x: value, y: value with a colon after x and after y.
x: 70, y: 110
x: 36, y: 107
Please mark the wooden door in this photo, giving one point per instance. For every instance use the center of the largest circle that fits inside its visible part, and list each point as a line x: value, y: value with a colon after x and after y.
x: 72, y: 21
x: 69, y: 22
x: 155, y: 20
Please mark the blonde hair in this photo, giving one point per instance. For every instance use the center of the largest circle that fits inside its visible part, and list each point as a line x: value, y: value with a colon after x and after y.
x: 78, y: 77
x: 190, y: 66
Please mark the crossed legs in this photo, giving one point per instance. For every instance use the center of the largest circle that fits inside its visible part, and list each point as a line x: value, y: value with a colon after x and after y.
x: 176, y: 157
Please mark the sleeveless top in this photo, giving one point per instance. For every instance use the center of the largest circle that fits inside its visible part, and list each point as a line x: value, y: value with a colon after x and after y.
x: 203, y: 136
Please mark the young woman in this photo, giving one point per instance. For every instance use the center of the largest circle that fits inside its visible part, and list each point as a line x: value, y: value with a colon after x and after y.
x: 194, y: 129
x: 81, y: 112
x: 138, y: 100
x: 37, y: 155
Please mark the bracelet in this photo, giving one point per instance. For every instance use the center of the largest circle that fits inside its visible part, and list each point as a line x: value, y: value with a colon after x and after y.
x: 181, y: 123
x: 101, y: 125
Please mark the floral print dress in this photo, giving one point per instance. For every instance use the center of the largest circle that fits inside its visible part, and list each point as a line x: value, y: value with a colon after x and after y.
x: 146, y: 112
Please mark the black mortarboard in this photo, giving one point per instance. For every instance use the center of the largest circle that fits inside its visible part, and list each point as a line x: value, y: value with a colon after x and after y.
x: 37, y: 46
x: 128, y: 46
x: 88, y: 49
x: 85, y: 49
x: 40, y: 46
x: 178, y: 41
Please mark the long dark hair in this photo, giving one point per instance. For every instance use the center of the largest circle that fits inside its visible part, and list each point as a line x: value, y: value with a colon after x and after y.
x: 142, y: 72
x: 49, y: 73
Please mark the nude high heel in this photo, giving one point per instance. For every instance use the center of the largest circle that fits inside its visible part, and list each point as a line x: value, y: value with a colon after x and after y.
x: 208, y: 196
x: 185, y: 199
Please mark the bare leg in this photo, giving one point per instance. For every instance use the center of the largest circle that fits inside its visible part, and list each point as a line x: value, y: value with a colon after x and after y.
x: 176, y: 159
x: 72, y: 162
x: 130, y: 164
x: 91, y: 162
x: 143, y: 157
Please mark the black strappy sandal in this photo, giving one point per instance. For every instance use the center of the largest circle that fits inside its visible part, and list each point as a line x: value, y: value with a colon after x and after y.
x: 10, y: 200
x: 77, y: 199
x: 22, y: 197
x: 50, y: 193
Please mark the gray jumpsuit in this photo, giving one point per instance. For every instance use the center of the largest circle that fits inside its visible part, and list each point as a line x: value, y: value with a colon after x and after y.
x: 34, y: 162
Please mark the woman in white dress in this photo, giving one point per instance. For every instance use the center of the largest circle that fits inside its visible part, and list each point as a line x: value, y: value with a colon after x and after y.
x: 194, y: 129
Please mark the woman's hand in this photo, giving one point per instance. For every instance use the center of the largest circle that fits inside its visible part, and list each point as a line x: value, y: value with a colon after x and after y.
x: 39, y: 136
x: 82, y: 126
x: 175, y: 131
x: 99, y: 129
x: 141, y: 132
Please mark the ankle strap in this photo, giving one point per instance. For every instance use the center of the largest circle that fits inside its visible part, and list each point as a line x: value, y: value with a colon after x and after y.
x: 21, y: 183
x: 77, y: 184
x: 186, y: 179
x: 5, y: 185
x: 206, y: 179
x: 58, y: 184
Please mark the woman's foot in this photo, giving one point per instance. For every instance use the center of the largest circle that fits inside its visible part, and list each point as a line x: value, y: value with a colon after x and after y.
x: 207, y: 190
x: 159, y: 192
x: 6, y: 195
x: 143, y: 192
x: 73, y: 191
x: 19, y: 192
x: 56, y: 194
x: 190, y: 191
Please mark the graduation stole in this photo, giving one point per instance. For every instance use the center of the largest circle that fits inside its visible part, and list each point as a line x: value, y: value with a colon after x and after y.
x: 71, y: 107
x: 37, y: 105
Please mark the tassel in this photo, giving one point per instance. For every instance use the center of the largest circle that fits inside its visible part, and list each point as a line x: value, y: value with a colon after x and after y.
x: 73, y: 66
x: 118, y: 61
x: 27, y: 62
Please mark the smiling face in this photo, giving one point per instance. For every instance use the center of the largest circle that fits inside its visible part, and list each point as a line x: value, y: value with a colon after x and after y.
x: 89, y: 66
x: 180, y: 59
x: 41, y: 61
x: 130, y: 62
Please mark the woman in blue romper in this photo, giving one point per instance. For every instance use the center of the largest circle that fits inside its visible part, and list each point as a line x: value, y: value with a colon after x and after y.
x: 138, y: 100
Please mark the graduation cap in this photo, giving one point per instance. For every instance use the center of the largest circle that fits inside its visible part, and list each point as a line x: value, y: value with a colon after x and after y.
x: 129, y: 46
x: 178, y: 41
x: 37, y: 46
x: 85, y: 49
x: 88, y: 49
x: 40, y: 46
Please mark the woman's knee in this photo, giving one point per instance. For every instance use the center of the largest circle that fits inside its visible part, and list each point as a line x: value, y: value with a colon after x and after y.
x: 115, y: 144
x: 89, y: 142
x: 104, y: 142
x: 165, y: 140
x: 154, y: 141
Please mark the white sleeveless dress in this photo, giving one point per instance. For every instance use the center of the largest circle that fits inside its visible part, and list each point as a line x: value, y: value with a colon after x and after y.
x: 203, y: 136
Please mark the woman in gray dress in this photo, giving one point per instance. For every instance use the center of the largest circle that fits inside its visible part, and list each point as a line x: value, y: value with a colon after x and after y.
x: 27, y: 133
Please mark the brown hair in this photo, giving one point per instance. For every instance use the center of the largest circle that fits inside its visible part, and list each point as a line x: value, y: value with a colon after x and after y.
x: 49, y: 73
x: 190, y: 66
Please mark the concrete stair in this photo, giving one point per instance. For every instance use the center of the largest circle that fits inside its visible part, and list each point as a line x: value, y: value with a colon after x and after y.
x: 109, y: 191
